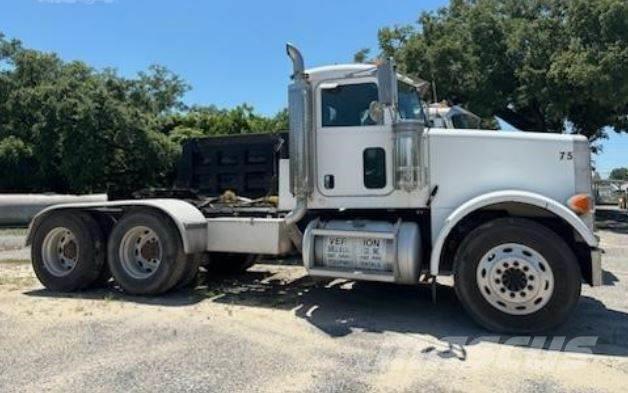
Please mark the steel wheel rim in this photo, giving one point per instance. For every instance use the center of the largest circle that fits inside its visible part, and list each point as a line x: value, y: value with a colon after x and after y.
x: 140, y: 252
x: 60, y: 251
x: 515, y: 279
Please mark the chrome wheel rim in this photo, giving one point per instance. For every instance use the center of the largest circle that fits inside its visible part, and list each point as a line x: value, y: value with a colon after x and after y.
x: 140, y: 252
x: 515, y: 279
x: 60, y: 251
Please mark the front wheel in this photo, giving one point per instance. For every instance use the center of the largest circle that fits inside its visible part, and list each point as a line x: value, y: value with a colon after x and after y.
x: 514, y: 275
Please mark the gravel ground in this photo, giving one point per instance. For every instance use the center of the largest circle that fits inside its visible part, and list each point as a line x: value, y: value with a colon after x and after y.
x: 274, y: 329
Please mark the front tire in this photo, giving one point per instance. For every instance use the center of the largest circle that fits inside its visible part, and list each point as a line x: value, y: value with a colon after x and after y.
x: 513, y: 275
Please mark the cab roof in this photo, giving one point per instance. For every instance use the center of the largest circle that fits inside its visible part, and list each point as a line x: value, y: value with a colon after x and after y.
x: 339, y: 71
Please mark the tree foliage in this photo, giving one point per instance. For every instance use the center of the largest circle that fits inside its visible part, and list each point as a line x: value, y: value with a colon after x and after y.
x: 66, y: 127
x: 361, y: 56
x: 543, y: 65
x: 619, y: 174
x: 209, y: 120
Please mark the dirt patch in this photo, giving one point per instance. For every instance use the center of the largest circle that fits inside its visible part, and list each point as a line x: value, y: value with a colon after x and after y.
x: 16, y: 275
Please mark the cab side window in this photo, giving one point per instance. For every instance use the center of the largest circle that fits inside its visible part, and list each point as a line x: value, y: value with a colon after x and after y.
x: 374, y: 164
x: 348, y: 105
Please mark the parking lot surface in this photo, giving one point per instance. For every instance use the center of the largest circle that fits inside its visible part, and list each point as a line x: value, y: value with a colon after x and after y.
x: 275, y: 329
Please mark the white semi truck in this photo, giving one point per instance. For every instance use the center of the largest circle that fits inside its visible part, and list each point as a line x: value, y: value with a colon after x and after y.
x: 367, y: 192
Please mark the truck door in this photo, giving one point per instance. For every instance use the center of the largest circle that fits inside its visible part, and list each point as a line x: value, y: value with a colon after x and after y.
x: 353, y: 153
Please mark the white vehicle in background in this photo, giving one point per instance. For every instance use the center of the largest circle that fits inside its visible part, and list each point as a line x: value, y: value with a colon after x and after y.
x: 442, y: 115
x: 608, y: 192
x: 367, y: 192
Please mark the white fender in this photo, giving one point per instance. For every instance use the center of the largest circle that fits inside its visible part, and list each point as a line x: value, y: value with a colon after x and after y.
x: 492, y: 198
x: 190, y: 222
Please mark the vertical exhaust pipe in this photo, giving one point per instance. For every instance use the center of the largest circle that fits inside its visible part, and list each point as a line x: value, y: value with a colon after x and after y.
x: 300, y: 117
x: 298, y: 66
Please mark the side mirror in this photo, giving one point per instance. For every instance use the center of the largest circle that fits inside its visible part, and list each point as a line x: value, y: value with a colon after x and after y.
x: 387, y: 82
x: 376, y: 112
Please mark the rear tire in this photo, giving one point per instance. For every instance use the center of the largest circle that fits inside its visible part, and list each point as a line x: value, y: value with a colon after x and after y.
x: 229, y: 263
x: 103, y: 279
x: 513, y: 275
x: 105, y: 224
x: 188, y: 277
x: 67, y: 251
x: 146, y: 253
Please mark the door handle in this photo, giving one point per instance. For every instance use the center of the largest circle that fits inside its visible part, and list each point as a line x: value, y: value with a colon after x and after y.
x: 329, y: 182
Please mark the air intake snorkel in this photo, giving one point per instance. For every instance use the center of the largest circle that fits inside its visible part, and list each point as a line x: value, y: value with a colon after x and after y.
x: 407, y: 133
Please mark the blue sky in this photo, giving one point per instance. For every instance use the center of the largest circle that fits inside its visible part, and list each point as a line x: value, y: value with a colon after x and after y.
x: 230, y: 52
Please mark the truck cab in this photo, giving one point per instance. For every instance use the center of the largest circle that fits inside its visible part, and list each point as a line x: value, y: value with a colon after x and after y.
x: 368, y: 190
x: 353, y: 143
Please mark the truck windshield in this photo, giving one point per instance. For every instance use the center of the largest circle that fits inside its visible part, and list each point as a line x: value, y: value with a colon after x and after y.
x: 410, y: 106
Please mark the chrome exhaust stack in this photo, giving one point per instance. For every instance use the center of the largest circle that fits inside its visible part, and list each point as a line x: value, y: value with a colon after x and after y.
x: 300, y: 118
x: 298, y: 66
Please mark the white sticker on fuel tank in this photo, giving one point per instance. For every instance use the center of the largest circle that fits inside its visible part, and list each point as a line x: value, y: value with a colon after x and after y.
x: 338, y: 252
x: 372, y: 254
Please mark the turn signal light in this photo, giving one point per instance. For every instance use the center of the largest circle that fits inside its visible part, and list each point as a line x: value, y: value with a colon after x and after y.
x: 580, y: 203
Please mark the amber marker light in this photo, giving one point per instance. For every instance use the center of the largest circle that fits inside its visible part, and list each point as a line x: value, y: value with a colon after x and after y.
x: 580, y: 203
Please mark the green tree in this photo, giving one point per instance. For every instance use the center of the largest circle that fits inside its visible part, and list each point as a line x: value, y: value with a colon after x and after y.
x: 158, y: 90
x: 361, y: 56
x: 66, y: 127
x: 15, y: 158
x: 211, y: 121
x: 619, y: 174
x: 543, y: 65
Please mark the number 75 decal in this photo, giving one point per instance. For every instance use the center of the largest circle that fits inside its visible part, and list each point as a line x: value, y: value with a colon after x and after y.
x: 566, y: 155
